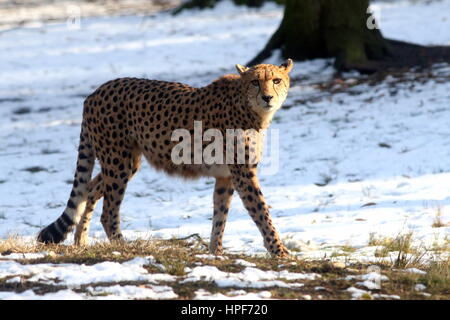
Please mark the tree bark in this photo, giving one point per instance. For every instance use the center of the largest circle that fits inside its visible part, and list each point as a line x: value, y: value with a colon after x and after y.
x: 327, y: 28
x: 340, y: 29
x: 343, y: 29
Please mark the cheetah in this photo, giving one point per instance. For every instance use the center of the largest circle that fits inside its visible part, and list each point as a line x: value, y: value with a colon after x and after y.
x: 129, y: 117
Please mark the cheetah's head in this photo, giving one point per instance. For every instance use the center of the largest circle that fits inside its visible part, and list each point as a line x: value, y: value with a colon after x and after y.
x: 266, y: 86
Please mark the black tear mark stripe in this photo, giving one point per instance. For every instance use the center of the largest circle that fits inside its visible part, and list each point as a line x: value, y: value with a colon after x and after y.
x: 275, y: 89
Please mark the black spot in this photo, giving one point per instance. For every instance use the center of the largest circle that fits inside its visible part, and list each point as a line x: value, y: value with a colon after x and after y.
x: 81, y: 169
x: 70, y: 204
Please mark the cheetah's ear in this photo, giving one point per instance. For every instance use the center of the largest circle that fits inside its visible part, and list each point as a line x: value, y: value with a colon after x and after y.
x: 287, y: 65
x: 241, y: 69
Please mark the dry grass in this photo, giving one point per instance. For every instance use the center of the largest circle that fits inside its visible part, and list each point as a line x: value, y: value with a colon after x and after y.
x: 436, y: 280
x: 174, y: 256
x: 434, y: 261
x: 16, y: 244
x: 437, y: 222
x: 402, y: 245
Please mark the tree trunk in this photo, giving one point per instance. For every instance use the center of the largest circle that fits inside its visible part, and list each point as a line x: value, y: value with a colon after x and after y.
x: 342, y: 29
x: 327, y: 28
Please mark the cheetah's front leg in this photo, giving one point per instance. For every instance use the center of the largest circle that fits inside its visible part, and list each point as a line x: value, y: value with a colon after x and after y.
x: 223, y: 192
x: 246, y: 183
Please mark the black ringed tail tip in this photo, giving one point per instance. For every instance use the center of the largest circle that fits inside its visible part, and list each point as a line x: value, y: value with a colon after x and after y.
x: 50, y: 234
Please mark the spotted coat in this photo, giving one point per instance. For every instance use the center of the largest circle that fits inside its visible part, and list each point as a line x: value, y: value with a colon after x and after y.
x: 128, y: 117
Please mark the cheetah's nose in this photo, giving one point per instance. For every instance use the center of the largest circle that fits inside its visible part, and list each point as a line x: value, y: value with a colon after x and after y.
x: 267, y: 98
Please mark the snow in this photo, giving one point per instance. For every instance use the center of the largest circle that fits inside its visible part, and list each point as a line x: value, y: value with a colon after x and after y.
x: 430, y: 24
x: 30, y: 295
x: 14, y: 280
x: 244, y: 263
x: 363, y: 294
x: 47, y: 70
x: 358, y: 293
x: 74, y: 275
x: 27, y: 256
x: 404, y: 181
x: 232, y: 295
x: 414, y: 270
x: 248, y: 278
x: 125, y: 292
x: 116, y: 292
x: 419, y: 287
x: 369, y: 284
x: 210, y: 257
x: 372, y: 276
x: 385, y: 296
x: 371, y: 280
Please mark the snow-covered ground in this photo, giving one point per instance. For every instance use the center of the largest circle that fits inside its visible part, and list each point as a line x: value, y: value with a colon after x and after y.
x: 73, y: 276
x: 381, y: 152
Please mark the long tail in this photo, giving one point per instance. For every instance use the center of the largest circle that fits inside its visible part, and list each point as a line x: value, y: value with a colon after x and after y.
x: 58, y: 230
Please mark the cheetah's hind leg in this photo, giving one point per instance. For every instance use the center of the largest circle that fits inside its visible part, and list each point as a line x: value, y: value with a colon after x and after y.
x: 95, y: 193
x: 57, y: 231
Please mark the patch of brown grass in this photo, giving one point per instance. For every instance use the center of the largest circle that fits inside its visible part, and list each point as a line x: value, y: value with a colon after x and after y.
x: 437, y: 222
x: 174, y: 256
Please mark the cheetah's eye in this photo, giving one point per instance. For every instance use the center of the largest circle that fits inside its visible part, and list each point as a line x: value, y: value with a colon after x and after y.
x: 255, y: 83
x: 276, y: 81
